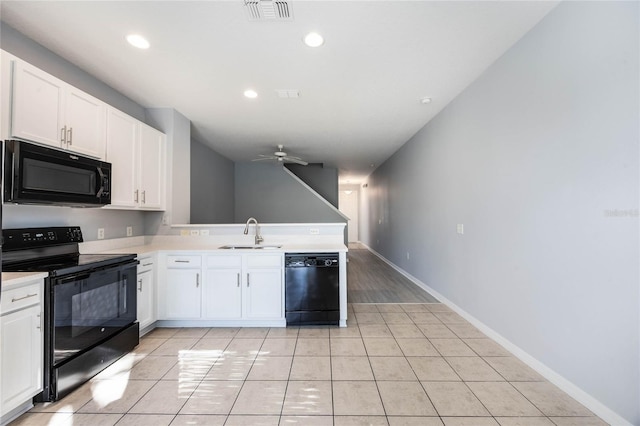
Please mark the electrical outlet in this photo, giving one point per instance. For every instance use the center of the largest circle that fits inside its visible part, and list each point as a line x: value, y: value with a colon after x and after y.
x: 460, y: 228
x: 408, y: 256
x: 184, y: 232
x: 314, y: 231
x: 129, y: 231
x: 204, y: 232
x: 194, y: 233
x: 101, y: 233
x: 165, y: 218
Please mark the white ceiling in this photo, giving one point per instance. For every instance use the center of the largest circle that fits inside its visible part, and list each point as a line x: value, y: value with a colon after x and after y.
x: 359, y: 93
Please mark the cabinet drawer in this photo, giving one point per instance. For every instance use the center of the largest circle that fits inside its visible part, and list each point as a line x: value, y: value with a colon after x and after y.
x: 146, y: 263
x: 224, y: 261
x: 184, y: 261
x: 264, y: 261
x: 17, y: 298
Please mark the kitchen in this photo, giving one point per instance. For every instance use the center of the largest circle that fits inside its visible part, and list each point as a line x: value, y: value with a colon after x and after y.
x: 405, y: 237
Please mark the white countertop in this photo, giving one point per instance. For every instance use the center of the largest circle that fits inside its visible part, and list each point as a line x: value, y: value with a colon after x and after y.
x: 14, y: 279
x: 199, y: 247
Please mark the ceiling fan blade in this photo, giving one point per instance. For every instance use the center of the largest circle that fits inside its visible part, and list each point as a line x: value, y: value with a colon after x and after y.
x: 264, y: 158
x: 296, y: 160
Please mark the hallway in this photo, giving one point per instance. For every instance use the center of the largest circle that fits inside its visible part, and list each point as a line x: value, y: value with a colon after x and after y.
x: 370, y: 280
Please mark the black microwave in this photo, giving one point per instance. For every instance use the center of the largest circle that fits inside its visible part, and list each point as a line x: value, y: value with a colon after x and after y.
x: 35, y: 174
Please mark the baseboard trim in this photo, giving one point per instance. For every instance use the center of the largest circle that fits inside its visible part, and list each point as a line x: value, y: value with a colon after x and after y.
x: 597, y: 407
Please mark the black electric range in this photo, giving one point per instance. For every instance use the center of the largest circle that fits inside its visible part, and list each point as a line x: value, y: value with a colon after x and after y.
x: 90, y: 305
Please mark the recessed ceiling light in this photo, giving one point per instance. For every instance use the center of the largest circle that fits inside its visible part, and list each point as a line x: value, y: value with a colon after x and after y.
x: 313, y: 40
x: 251, y: 94
x: 425, y: 100
x: 138, y: 41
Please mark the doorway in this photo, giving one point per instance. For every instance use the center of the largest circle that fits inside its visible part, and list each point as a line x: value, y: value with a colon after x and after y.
x: 348, y: 204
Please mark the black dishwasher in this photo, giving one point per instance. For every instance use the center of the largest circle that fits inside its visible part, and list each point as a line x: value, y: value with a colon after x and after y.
x: 312, y: 288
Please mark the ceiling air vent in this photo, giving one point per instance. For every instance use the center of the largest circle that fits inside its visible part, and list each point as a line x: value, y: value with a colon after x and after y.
x: 268, y: 10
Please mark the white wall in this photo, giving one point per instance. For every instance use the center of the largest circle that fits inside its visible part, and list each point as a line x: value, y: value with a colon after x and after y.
x: 535, y: 158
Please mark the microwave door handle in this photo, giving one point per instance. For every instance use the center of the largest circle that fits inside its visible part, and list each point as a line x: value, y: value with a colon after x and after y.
x: 101, y: 189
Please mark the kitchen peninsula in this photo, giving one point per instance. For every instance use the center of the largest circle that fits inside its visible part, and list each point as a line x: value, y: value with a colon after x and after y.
x: 190, y: 280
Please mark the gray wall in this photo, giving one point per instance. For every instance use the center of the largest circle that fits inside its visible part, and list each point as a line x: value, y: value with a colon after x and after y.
x: 177, y: 129
x: 113, y: 221
x: 323, y: 180
x: 539, y: 160
x: 18, y: 44
x: 212, y: 186
x: 271, y: 195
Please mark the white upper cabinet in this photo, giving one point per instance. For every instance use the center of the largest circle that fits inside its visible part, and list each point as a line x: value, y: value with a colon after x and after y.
x: 151, y: 168
x: 37, y: 105
x: 85, y: 121
x: 49, y: 111
x: 122, y: 147
x: 136, y: 153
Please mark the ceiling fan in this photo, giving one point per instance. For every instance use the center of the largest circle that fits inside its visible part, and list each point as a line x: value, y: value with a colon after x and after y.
x: 281, y: 157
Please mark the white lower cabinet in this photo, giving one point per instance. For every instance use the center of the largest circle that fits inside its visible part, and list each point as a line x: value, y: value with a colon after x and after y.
x: 242, y: 288
x: 182, y: 287
x: 21, y: 345
x: 245, y: 286
x: 146, y: 292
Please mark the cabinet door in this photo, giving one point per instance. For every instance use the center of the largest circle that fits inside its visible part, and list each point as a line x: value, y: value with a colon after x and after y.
x: 263, y: 293
x: 122, y: 154
x: 21, y: 368
x: 146, y: 314
x: 85, y: 120
x: 151, y: 177
x: 182, y: 298
x: 37, y: 109
x: 222, y: 294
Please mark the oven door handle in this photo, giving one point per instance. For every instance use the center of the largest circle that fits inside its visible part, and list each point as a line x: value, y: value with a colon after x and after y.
x: 124, y: 287
x: 73, y: 278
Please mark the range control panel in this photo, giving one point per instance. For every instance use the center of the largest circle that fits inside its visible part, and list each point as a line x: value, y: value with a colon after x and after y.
x: 21, y: 238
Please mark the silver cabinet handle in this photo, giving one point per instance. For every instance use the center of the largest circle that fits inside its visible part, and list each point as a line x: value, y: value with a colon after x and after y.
x: 197, y: 280
x: 182, y: 261
x: 136, y: 196
x: 63, y: 135
x: 144, y: 197
x: 238, y: 279
x: 147, y: 264
x: 248, y: 280
x: 15, y: 299
x: 70, y: 135
x: 140, y: 287
x: 39, y: 326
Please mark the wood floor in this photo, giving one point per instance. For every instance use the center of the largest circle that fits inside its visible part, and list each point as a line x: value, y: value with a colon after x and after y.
x: 370, y: 280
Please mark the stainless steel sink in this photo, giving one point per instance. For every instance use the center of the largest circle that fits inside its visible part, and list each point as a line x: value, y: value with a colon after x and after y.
x: 250, y: 247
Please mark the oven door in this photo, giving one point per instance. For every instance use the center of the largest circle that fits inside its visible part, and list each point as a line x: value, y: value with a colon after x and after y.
x: 41, y: 175
x: 90, y: 307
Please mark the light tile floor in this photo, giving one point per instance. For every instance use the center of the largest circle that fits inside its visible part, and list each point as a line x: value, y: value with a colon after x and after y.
x: 396, y: 364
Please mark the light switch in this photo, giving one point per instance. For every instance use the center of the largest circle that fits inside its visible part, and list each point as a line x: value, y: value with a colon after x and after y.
x: 460, y: 228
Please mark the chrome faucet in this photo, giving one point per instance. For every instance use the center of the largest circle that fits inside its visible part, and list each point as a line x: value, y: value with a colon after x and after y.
x: 259, y: 238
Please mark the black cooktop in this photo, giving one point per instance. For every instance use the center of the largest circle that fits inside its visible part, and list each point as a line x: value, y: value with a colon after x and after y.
x: 68, y: 265
x: 53, y: 250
